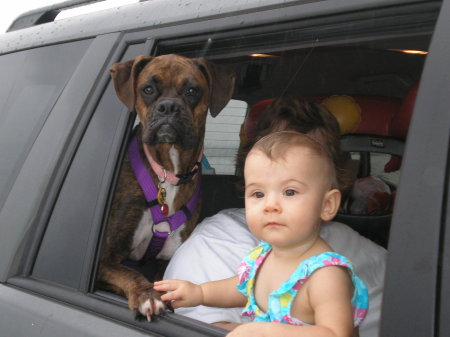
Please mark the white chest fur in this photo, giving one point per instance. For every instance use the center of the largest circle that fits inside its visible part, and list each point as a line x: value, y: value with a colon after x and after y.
x: 144, y: 231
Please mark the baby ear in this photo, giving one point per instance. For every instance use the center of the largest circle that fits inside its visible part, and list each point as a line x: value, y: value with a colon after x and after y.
x: 331, y: 203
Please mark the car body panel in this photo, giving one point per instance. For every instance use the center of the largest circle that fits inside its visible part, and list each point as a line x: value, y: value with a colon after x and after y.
x: 157, y: 14
x: 39, y: 316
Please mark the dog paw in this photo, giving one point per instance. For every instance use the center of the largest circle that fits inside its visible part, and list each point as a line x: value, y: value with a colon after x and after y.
x: 147, y: 303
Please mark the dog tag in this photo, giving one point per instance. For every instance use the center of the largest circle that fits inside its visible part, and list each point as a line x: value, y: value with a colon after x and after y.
x: 165, y: 209
x: 161, y: 196
x: 162, y: 201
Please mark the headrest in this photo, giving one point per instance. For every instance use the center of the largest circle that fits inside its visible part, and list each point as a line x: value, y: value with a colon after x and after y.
x: 249, y: 125
x: 377, y: 114
x: 369, y: 114
x: 399, y: 125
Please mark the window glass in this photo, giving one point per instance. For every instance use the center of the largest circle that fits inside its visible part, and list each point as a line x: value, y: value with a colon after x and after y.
x: 27, y: 97
x: 63, y: 256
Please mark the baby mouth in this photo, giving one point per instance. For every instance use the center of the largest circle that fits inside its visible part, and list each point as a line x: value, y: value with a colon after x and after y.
x: 273, y: 224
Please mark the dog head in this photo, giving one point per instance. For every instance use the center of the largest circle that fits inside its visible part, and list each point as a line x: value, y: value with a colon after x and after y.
x: 171, y: 95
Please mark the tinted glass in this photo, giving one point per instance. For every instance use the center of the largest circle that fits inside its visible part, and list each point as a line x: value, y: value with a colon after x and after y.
x: 31, y: 82
x: 63, y: 255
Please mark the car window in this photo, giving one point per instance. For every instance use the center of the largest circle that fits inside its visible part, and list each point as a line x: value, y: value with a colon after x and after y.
x: 63, y: 255
x: 27, y: 97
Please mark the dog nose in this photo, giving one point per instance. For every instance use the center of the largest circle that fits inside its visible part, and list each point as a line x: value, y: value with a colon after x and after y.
x: 168, y: 107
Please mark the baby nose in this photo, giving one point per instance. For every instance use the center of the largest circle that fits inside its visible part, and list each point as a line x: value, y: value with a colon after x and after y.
x: 272, y: 205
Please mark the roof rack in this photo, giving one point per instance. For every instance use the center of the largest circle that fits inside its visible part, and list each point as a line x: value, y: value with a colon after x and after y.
x: 45, y: 14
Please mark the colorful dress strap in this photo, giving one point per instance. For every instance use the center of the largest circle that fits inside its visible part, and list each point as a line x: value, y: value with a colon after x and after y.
x: 280, y: 300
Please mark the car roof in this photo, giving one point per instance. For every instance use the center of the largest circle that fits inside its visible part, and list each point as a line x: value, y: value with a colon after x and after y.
x: 36, y: 28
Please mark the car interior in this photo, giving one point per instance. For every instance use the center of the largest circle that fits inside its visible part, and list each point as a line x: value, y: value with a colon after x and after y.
x: 379, y: 80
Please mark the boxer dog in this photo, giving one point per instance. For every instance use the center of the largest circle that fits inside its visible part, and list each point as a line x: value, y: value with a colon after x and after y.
x: 157, y: 195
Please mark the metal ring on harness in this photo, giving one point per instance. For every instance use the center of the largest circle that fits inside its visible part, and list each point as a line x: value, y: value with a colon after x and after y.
x: 163, y: 179
x: 169, y: 232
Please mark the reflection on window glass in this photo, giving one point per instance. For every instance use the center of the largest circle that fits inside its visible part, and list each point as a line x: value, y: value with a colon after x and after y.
x: 35, y: 78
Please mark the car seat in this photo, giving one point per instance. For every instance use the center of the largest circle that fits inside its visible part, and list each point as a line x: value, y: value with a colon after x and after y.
x: 383, y: 129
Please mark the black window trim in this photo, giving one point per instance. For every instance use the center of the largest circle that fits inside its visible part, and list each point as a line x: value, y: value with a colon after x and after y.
x: 443, y: 305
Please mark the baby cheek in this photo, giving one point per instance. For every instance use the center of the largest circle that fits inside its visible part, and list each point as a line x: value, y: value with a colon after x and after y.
x: 252, y: 215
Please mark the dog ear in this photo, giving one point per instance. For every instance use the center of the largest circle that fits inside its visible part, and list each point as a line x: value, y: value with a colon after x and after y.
x: 221, y: 81
x: 124, y: 76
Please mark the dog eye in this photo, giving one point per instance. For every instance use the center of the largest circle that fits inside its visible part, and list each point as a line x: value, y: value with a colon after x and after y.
x: 191, y: 91
x: 148, y: 90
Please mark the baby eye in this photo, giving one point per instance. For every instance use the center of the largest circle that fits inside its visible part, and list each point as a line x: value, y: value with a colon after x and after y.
x: 258, y: 195
x: 290, y: 192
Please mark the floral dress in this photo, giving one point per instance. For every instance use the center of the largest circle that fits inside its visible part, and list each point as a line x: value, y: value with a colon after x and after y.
x: 280, y: 301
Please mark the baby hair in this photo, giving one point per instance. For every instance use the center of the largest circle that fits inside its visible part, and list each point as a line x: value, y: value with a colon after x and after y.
x: 276, y: 145
x: 296, y: 114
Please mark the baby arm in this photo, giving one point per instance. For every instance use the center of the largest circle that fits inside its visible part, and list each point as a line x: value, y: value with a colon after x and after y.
x: 221, y: 293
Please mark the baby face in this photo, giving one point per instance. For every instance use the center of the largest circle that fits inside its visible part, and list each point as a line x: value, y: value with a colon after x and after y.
x: 285, y: 197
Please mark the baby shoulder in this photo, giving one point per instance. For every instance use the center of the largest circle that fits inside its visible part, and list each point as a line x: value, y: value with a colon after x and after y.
x: 330, y: 282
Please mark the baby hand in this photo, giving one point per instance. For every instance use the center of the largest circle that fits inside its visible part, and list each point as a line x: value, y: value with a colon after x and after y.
x: 180, y: 293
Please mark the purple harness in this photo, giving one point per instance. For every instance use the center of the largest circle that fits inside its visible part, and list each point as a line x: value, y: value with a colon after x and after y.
x: 150, y: 191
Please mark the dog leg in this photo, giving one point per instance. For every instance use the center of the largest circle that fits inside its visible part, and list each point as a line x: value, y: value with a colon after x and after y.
x: 139, y: 291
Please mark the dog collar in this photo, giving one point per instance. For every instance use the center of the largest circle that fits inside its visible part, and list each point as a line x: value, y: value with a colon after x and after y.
x: 177, y: 179
x: 150, y: 191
